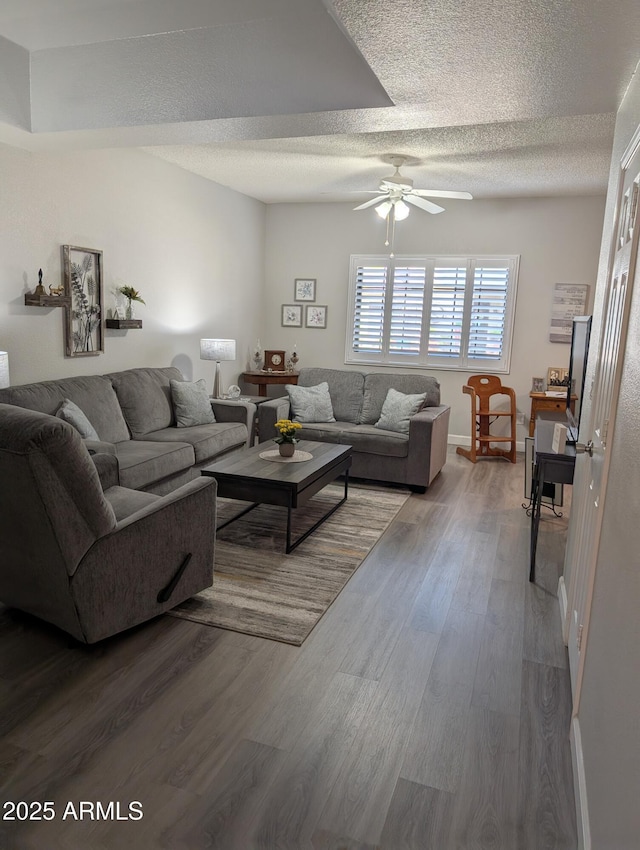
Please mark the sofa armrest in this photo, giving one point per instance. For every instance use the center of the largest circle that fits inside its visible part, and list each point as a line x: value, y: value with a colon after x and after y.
x: 236, y: 410
x: 268, y: 414
x: 428, y: 436
x: 108, y: 469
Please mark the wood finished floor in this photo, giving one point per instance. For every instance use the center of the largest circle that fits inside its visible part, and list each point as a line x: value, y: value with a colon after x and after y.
x: 429, y: 708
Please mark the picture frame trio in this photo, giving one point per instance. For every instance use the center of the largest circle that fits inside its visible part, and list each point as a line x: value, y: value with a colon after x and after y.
x: 315, y: 315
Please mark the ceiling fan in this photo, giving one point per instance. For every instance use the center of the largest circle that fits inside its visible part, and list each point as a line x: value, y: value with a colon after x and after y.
x: 396, y: 191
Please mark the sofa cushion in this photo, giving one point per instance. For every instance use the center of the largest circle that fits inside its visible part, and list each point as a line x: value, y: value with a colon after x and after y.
x: 397, y: 410
x: 364, y: 438
x: 94, y: 395
x: 144, y: 462
x: 345, y: 388
x: 311, y: 404
x: 208, y: 441
x: 378, y: 384
x: 72, y: 414
x: 191, y: 403
x: 145, y: 398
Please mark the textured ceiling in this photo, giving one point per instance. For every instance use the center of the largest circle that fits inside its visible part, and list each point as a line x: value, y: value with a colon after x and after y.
x: 303, y: 100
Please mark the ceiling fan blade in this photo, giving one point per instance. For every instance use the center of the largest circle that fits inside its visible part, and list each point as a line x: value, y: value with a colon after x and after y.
x: 371, y: 202
x: 423, y: 204
x: 443, y: 193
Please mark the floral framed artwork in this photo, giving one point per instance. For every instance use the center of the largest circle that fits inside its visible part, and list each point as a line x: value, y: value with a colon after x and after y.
x: 316, y: 316
x: 82, y: 281
x: 304, y: 289
x: 291, y: 316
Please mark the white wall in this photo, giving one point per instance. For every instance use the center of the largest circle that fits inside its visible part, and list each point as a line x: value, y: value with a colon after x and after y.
x: 557, y: 239
x: 194, y: 250
x: 609, y: 710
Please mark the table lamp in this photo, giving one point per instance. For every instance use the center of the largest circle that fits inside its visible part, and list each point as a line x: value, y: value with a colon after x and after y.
x: 217, y: 349
x: 4, y: 369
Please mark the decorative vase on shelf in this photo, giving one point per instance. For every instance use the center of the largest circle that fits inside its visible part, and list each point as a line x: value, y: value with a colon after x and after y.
x: 287, y: 449
x: 128, y: 312
x: 256, y: 356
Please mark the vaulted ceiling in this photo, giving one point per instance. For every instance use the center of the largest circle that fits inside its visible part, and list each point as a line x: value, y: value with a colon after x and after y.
x: 304, y: 100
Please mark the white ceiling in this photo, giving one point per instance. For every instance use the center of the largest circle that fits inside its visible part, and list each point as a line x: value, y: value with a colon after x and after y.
x: 303, y: 100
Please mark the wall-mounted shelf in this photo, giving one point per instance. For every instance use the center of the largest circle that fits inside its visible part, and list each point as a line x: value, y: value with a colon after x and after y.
x: 123, y: 324
x: 33, y: 300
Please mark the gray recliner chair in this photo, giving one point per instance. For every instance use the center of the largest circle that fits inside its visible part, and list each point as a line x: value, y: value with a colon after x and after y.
x: 91, y: 561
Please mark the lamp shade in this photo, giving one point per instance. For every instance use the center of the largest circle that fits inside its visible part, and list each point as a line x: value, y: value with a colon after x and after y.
x: 4, y: 369
x: 217, y: 349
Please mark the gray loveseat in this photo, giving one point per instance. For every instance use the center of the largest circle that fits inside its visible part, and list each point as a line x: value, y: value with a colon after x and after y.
x: 133, y: 416
x: 413, y: 459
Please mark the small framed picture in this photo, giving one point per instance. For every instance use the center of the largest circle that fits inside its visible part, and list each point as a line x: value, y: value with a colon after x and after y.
x: 304, y: 289
x: 315, y: 316
x: 291, y: 316
x: 557, y: 377
x: 537, y: 385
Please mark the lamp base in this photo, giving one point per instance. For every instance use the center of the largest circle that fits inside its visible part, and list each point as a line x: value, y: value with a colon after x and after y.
x: 217, y: 382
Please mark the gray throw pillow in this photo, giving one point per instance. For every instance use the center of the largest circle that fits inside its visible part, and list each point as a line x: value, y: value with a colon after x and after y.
x: 71, y: 413
x: 311, y: 404
x: 191, y: 403
x: 397, y: 410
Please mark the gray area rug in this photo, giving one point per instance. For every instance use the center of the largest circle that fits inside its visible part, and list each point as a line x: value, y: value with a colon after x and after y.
x: 258, y: 590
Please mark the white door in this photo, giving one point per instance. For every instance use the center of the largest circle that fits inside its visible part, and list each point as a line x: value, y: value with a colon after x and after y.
x: 592, y: 466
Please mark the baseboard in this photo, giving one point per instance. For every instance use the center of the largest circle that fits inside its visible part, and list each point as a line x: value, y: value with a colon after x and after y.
x: 563, y: 603
x: 580, y: 787
x: 460, y: 440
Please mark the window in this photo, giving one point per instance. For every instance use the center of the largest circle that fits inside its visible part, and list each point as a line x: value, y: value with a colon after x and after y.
x: 442, y: 312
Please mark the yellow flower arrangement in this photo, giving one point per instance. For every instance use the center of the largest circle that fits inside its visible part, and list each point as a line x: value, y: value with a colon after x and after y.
x: 287, y: 430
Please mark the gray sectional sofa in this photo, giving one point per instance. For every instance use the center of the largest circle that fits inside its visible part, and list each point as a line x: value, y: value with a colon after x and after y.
x: 357, y: 399
x: 132, y: 413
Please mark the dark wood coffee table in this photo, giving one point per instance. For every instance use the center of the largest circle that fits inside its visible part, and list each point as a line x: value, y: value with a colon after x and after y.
x: 248, y: 477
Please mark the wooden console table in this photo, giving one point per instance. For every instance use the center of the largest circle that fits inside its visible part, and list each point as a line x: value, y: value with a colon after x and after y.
x: 265, y: 379
x: 541, y: 403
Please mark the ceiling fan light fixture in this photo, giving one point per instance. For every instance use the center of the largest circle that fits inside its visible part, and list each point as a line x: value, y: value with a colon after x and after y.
x: 383, y: 209
x: 401, y: 210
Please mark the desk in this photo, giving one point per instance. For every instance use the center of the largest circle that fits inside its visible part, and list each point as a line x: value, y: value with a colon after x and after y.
x: 551, y: 467
x: 541, y: 403
x: 264, y: 379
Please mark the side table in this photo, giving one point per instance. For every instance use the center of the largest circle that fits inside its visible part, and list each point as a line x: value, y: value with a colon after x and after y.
x: 541, y: 403
x: 265, y: 379
x: 254, y: 399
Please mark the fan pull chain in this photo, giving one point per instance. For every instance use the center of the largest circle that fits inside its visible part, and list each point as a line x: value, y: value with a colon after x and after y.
x: 392, y: 215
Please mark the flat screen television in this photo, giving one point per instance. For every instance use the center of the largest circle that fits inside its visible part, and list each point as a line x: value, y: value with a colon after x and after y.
x: 580, y: 334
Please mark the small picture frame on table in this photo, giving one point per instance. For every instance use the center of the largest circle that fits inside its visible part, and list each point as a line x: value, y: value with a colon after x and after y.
x: 304, y: 289
x: 291, y: 316
x: 315, y: 316
x: 557, y: 376
x: 537, y: 385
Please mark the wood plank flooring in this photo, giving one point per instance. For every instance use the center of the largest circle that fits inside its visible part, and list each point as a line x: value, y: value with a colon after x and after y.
x: 429, y: 709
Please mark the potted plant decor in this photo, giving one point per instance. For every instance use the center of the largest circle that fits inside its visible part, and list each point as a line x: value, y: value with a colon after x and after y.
x: 130, y: 294
x: 287, y: 439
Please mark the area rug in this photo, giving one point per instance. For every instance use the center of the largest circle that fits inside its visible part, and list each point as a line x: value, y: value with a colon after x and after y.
x: 258, y: 590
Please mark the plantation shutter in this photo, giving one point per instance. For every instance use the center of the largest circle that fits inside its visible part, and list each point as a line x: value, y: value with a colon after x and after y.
x: 407, y: 304
x: 447, y: 311
x: 488, y: 312
x: 368, y: 321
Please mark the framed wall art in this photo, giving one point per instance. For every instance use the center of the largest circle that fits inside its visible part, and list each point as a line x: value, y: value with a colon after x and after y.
x: 291, y: 316
x: 304, y: 289
x: 569, y: 300
x: 82, y: 281
x: 315, y: 316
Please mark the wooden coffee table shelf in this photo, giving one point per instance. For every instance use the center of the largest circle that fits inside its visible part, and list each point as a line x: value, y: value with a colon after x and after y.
x: 247, y: 477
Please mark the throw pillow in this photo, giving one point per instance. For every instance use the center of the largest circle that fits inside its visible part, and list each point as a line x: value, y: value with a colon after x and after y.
x: 71, y: 413
x: 397, y: 410
x: 191, y: 403
x: 311, y: 404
